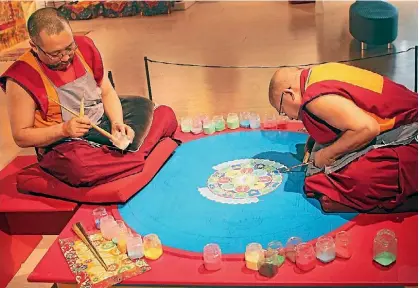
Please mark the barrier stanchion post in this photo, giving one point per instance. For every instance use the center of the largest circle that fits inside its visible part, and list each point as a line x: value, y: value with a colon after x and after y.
x: 416, y: 68
x: 147, y: 73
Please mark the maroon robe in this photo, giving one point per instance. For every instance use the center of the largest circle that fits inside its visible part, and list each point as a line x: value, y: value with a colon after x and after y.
x: 383, y: 177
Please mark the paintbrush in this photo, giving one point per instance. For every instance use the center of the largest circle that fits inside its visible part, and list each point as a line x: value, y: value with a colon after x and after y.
x: 100, y: 130
x: 81, y: 233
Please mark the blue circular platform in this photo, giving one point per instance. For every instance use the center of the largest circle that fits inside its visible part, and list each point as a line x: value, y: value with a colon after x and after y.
x: 229, y: 189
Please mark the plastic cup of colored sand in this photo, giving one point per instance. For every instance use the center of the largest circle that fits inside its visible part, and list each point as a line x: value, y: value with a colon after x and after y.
x: 254, y: 121
x: 135, y: 247
x: 269, y: 122
x: 122, y: 236
x: 203, y: 118
x: 291, y: 247
x: 275, y: 253
x: 254, y: 256
x: 123, y: 228
x: 233, y: 121
x: 196, y: 125
x: 245, y: 119
x: 152, y: 247
x: 99, y: 213
x: 274, y: 258
x: 325, y: 249
x: 220, y: 124
x: 385, y: 247
x: 305, y: 257
x: 209, y: 127
x: 343, y: 245
x: 113, y: 231
x: 267, y: 268
x: 212, y: 257
x: 186, y: 124
x: 282, y: 121
x: 107, y: 226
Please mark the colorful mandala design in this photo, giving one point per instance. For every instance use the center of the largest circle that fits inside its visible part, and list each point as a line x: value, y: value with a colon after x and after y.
x: 243, y: 181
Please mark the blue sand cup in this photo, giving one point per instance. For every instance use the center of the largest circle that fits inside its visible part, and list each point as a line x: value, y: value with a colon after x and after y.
x: 245, y: 119
x: 99, y: 213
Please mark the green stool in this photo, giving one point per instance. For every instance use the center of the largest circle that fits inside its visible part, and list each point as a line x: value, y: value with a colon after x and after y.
x: 373, y: 22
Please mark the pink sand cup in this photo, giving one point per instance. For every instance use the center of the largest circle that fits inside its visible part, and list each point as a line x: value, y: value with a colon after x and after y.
x: 305, y: 257
x: 291, y: 248
x: 108, y: 226
x: 212, y: 257
x: 343, y: 245
x: 270, y: 122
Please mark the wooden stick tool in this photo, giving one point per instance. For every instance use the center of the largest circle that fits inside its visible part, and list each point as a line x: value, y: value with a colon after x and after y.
x: 100, y: 130
x: 81, y: 233
x: 306, y: 157
x: 82, y: 107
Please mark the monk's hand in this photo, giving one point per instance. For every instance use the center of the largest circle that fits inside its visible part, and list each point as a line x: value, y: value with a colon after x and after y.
x: 122, y: 129
x: 76, y: 127
x: 322, y: 159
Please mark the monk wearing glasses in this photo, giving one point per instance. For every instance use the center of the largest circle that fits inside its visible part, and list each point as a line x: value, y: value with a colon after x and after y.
x: 363, y: 136
x: 63, y: 69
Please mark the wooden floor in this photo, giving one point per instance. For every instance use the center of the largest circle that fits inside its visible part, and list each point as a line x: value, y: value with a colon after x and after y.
x: 227, y: 33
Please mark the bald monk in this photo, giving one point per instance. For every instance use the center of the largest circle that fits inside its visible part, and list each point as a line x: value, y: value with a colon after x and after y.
x: 64, y: 68
x: 363, y: 130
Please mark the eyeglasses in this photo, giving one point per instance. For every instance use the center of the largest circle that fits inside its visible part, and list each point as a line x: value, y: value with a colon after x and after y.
x: 282, y: 113
x: 60, y: 54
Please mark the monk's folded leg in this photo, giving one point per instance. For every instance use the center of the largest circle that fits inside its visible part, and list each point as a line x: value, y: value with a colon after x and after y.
x: 164, y: 125
x: 383, y: 178
x: 78, y: 164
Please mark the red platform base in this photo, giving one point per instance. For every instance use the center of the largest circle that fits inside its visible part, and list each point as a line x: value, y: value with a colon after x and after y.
x: 172, y: 269
x: 24, y: 218
x: 29, y: 214
x: 179, y: 269
x: 14, y: 250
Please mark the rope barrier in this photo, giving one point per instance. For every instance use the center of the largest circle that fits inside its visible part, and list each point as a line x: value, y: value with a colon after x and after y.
x: 146, y: 60
x: 279, y: 66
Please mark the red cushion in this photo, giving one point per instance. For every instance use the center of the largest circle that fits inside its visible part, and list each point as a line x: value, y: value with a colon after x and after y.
x: 11, y: 201
x: 35, y: 180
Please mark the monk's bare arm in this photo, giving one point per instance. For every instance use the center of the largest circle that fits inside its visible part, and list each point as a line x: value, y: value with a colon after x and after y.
x: 111, y: 102
x: 21, y: 108
x: 358, y: 127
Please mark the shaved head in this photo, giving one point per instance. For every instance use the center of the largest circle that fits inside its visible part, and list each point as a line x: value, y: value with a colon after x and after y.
x: 283, y: 78
x: 46, y: 19
x: 284, y: 91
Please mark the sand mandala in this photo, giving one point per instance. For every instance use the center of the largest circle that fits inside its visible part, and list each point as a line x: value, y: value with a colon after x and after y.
x: 242, y: 181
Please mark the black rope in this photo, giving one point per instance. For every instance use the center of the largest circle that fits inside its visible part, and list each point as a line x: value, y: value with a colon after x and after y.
x: 280, y: 66
x: 416, y: 68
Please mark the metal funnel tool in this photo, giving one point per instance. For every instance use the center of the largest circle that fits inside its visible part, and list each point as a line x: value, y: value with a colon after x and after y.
x: 289, y: 169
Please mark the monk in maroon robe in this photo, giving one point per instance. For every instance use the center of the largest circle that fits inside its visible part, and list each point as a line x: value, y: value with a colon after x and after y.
x: 364, y: 130
x: 62, y: 69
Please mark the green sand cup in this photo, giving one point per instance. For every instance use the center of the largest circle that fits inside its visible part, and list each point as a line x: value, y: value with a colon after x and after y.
x: 385, y: 247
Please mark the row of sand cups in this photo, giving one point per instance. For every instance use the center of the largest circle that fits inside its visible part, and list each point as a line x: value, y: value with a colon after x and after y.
x: 205, y: 124
x: 304, y: 255
x: 127, y: 242
x: 266, y: 261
